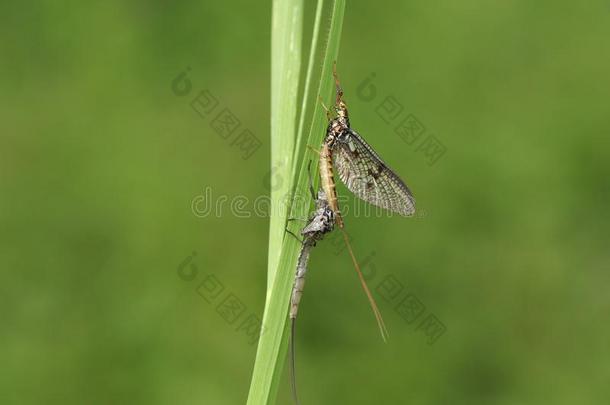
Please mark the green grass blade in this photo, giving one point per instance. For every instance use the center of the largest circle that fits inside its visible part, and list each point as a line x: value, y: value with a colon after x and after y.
x: 272, y: 346
x: 306, y: 90
x: 287, y: 27
x: 326, y: 87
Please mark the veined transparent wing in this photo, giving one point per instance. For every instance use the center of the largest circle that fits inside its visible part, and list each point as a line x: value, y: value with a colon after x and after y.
x: 368, y: 177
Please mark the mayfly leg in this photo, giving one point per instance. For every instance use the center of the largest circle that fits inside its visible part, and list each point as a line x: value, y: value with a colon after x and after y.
x: 311, y: 191
x: 328, y: 113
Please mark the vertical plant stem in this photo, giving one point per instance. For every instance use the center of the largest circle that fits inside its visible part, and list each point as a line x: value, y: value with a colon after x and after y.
x: 272, y: 345
x: 286, y: 38
x: 306, y: 90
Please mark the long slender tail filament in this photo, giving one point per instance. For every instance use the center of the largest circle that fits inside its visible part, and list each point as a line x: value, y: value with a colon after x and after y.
x: 380, y: 323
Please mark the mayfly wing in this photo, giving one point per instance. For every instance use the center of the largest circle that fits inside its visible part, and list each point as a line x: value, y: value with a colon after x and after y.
x: 368, y: 177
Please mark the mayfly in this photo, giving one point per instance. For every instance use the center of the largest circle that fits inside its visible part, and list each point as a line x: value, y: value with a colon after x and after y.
x: 359, y: 166
x: 364, y: 174
x: 320, y: 223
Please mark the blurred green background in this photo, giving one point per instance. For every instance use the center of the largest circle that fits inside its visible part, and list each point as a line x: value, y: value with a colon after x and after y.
x: 100, y: 163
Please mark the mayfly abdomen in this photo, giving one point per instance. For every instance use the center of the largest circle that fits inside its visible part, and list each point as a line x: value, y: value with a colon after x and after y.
x: 299, y: 281
x: 327, y: 182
